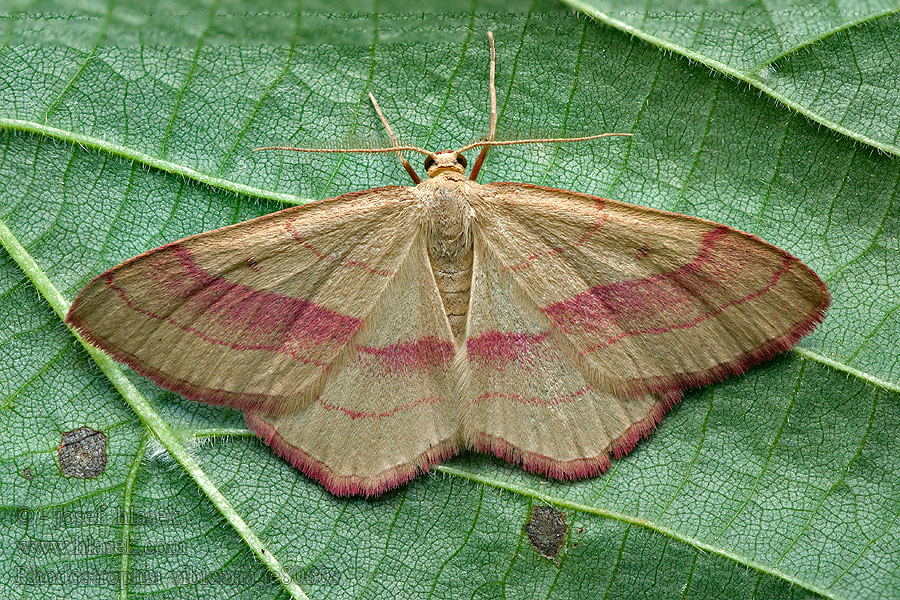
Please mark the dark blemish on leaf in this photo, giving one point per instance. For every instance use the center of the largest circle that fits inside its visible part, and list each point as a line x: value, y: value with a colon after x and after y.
x: 547, y: 530
x: 26, y: 473
x: 82, y: 453
x: 642, y: 252
x: 580, y: 529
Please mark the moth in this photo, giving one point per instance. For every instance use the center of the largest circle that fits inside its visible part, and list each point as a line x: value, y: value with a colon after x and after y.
x: 370, y: 336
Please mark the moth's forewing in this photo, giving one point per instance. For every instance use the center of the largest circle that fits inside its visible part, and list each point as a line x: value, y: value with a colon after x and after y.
x: 651, y: 301
x: 251, y: 315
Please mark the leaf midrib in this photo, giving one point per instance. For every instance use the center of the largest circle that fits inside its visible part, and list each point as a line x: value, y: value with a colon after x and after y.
x: 129, y: 154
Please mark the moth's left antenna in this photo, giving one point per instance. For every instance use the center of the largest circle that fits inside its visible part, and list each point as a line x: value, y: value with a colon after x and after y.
x: 396, y: 142
x: 332, y: 150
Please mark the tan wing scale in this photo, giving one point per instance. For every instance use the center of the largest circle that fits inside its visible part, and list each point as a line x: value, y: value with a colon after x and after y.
x: 389, y: 411
x: 252, y: 315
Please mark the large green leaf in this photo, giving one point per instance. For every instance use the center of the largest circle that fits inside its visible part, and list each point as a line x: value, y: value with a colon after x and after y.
x: 122, y: 131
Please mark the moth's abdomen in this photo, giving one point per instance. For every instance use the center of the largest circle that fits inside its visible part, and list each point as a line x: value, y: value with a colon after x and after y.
x: 453, y: 274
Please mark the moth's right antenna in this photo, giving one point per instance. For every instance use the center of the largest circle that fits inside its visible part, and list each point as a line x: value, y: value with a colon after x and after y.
x: 489, y: 140
x: 492, y: 91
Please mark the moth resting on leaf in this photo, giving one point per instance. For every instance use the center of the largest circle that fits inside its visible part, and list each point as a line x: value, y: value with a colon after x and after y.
x: 372, y: 335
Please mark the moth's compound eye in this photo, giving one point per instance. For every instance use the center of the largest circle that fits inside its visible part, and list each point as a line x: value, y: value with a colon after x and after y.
x: 462, y: 160
x: 429, y: 160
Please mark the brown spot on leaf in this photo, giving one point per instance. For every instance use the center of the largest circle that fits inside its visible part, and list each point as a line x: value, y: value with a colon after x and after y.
x: 26, y: 473
x: 643, y: 251
x: 82, y: 453
x: 547, y: 530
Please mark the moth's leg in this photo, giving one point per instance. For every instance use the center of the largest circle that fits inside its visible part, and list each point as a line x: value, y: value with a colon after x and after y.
x: 396, y: 142
x: 493, y: 121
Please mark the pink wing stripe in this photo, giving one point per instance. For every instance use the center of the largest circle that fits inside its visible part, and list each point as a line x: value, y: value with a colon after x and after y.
x: 785, y: 267
x: 497, y: 349
x: 332, y: 258
x: 487, y: 397
x: 411, y: 356
x: 601, y: 220
x: 651, y: 305
x: 230, y: 314
x: 357, y: 414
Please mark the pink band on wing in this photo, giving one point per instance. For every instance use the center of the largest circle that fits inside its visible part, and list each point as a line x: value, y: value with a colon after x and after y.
x: 234, y: 315
x: 785, y: 267
x: 497, y: 348
x: 411, y: 356
x: 677, y: 299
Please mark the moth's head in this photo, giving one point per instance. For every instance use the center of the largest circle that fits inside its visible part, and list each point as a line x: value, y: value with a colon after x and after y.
x: 445, y: 161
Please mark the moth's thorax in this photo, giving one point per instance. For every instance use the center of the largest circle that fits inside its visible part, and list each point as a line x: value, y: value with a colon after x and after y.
x: 448, y: 222
x: 447, y: 212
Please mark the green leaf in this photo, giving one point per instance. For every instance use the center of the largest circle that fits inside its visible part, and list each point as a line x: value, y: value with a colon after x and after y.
x: 834, y: 63
x: 122, y: 131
